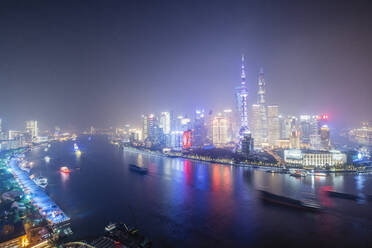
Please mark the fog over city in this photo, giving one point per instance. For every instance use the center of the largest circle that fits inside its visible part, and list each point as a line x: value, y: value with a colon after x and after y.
x: 101, y: 63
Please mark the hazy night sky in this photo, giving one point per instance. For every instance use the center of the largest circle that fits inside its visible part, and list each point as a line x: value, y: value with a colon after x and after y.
x: 102, y: 63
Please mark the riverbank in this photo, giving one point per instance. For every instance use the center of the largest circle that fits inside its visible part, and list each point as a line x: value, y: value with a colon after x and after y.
x: 38, y: 198
x: 231, y: 163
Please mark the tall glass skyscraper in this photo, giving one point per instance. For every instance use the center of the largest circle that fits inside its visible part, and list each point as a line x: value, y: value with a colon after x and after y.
x: 262, y: 103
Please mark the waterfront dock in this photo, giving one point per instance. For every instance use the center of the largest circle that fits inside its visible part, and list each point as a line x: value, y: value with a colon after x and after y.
x: 46, y: 206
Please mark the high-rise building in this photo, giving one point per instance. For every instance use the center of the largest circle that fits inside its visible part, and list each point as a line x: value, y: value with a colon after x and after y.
x: 199, y: 133
x: 148, y: 127
x: 256, y: 124
x: 285, y: 127
x: 247, y: 144
x: 186, y: 139
x: 259, y: 114
x: 176, y: 140
x: 262, y: 103
x: 32, y: 129
x: 220, y: 127
x: 325, y: 138
x: 229, y: 116
x: 242, y: 100
x: 165, y: 122
x: 273, y: 124
x: 314, y: 133
x: 294, y: 136
x: 1, y: 130
x: 12, y: 134
x: 305, y: 128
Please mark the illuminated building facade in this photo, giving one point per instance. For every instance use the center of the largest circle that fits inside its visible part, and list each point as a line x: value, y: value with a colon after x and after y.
x: 262, y: 105
x: 285, y: 127
x: 228, y: 115
x: 325, y: 138
x: 176, y: 140
x: 199, y: 129
x: 273, y: 125
x: 148, y: 123
x: 294, y: 137
x: 32, y: 129
x: 305, y: 128
x: 165, y: 122
x: 247, y: 144
x: 256, y: 124
x: 220, y: 129
x: 135, y: 135
x: 312, y: 158
x: 362, y: 135
x: 186, y: 139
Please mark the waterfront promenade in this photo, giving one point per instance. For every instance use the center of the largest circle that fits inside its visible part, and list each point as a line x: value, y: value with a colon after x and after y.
x: 46, y: 206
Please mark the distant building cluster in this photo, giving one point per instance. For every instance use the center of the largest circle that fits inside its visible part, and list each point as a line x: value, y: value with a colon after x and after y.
x: 362, y: 135
x: 246, y: 128
x: 14, y: 139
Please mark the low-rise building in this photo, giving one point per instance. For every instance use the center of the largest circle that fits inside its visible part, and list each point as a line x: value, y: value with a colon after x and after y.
x: 311, y: 158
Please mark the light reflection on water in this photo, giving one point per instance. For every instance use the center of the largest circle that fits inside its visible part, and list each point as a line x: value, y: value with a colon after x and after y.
x: 187, y: 203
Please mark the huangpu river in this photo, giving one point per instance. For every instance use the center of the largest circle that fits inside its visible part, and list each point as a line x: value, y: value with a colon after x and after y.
x: 184, y: 203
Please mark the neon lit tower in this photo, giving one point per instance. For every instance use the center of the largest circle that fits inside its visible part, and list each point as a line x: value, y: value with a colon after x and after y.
x: 243, y: 94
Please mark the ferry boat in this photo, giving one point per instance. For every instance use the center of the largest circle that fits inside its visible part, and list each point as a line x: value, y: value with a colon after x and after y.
x: 289, y: 202
x: 298, y: 173
x: 25, y: 167
x: 320, y: 174
x: 47, y: 159
x: 64, y: 169
x: 138, y: 169
x: 76, y: 147
x: 110, y: 227
x: 41, y: 181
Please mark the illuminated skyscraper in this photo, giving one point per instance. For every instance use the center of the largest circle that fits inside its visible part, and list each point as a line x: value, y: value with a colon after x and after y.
x: 220, y: 128
x: 165, y: 122
x: 32, y: 129
x: 262, y: 103
x: 294, y: 136
x: 259, y: 114
x: 199, y: 133
x: 273, y: 124
x: 228, y: 114
x: 242, y: 100
x: 247, y: 144
x: 256, y: 124
x: 305, y: 128
x: 285, y: 127
x: 325, y: 138
x: 148, y: 127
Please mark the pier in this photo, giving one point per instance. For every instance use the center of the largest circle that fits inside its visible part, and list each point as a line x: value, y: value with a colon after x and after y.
x: 46, y: 206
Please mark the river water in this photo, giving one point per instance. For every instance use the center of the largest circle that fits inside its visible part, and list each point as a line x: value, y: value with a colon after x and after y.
x: 184, y: 203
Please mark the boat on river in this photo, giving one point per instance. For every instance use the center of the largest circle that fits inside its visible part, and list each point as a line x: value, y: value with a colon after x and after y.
x: 298, y: 173
x: 64, y: 169
x: 307, y: 205
x: 40, y: 181
x: 138, y: 169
